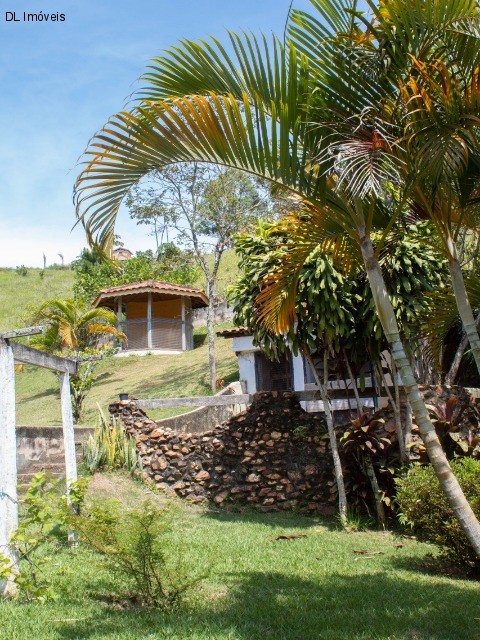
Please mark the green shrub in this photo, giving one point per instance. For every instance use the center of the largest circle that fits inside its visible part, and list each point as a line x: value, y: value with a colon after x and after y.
x: 424, y: 509
x: 137, y: 549
x: 44, y: 521
x: 109, y: 447
x: 21, y: 271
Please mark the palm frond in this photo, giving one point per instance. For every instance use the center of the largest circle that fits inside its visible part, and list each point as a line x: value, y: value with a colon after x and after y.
x: 263, y: 69
x: 215, y: 129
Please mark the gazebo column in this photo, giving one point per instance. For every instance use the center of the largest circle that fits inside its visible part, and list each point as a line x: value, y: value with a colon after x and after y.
x: 184, y: 326
x: 119, y: 314
x: 120, y: 321
x: 149, y: 322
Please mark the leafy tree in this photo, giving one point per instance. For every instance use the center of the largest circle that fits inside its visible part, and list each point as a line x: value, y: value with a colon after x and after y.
x: 203, y: 207
x: 313, y: 117
x: 147, y: 208
x: 334, y: 307
x: 93, y: 272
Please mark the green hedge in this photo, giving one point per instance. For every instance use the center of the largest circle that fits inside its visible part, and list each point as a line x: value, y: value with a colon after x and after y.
x: 424, y: 509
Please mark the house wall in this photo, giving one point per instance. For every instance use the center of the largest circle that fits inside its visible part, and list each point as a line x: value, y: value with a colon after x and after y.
x: 160, y: 309
x: 246, y: 369
x: 165, y: 335
x: 245, y: 350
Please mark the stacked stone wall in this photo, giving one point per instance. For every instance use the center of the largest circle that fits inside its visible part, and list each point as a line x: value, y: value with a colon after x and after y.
x: 273, y: 456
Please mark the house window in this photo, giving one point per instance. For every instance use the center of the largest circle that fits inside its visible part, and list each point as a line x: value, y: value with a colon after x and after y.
x: 318, y: 362
x: 273, y: 375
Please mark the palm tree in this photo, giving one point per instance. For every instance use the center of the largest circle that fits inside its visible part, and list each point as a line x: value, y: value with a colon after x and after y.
x: 73, y: 326
x: 441, y: 130
x: 268, y: 110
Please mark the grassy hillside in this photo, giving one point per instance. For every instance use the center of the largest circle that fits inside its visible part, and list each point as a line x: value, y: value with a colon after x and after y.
x: 150, y: 376
x: 227, y: 273
x: 20, y: 294
x: 185, y: 374
x: 318, y: 586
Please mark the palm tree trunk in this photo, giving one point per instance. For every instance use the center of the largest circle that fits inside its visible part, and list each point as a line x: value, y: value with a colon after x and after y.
x: 448, y: 481
x: 464, y: 309
x: 337, y: 465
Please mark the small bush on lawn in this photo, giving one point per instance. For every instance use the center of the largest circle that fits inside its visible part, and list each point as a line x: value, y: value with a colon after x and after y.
x: 424, y: 508
x: 136, y: 547
x: 44, y: 518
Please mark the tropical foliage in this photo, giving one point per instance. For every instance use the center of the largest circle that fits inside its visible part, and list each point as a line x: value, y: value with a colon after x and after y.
x: 335, y: 308
x: 109, y: 448
x: 329, y: 117
x: 72, y: 325
x: 426, y: 512
x: 76, y: 330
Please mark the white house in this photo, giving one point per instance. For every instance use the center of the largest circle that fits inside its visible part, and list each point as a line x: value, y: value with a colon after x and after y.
x: 290, y: 373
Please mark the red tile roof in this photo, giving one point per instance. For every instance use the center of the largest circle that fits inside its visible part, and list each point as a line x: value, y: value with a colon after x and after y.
x: 198, y: 297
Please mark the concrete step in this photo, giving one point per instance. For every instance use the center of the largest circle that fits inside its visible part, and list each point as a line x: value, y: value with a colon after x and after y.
x: 25, y: 478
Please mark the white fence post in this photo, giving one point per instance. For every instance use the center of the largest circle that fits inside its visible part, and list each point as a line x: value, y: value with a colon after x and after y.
x: 8, y: 453
x: 68, y: 437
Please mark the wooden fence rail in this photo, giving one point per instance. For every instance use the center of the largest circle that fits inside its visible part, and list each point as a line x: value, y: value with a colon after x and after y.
x: 247, y: 398
x: 243, y: 398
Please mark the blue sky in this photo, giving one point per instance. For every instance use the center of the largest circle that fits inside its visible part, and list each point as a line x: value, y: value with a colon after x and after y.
x: 59, y: 84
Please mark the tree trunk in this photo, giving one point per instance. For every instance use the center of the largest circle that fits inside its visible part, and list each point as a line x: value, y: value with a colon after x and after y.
x: 211, y: 336
x: 337, y: 464
x: 377, y: 494
x: 408, y: 428
x: 397, y: 416
x: 465, y: 310
x: 457, y: 359
x: 448, y: 481
x: 353, y: 380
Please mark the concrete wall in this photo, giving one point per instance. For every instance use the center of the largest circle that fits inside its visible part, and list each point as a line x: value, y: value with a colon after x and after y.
x: 223, y: 313
x: 42, y: 448
x: 204, y: 418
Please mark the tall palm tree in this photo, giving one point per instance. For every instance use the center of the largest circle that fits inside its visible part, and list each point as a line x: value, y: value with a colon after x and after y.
x: 423, y: 138
x: 268, y: 110
x: 442, y: 124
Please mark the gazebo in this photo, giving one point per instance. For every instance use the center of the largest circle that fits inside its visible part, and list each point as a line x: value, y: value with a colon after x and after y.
x: 155, y: 316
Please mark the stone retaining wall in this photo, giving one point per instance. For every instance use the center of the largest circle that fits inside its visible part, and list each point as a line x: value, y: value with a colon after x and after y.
x: 273, y: 455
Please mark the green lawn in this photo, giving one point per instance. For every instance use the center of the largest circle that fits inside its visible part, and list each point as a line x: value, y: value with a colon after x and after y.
x: 258, y: 588
x: 182, y: 374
